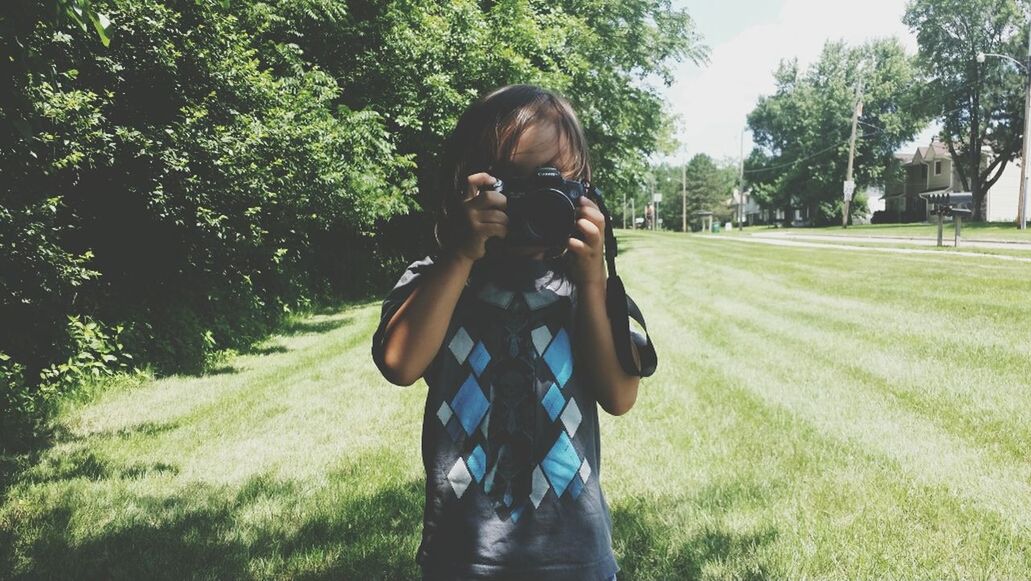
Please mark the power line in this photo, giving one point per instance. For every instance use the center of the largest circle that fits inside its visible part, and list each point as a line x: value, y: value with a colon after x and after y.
x: 797, y: 161
x: 878, y: 130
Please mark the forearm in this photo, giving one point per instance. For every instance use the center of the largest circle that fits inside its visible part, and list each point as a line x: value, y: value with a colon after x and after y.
x: 414, y: 334
x: 615, y: 390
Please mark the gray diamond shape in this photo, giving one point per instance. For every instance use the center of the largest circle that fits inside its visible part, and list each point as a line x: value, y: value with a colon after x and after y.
x: 540, y: 486
x: 444, y: 413
x: 459, y: 477
x: 496, y: 296
x: 461, y: 344
x: 571, y: 417
x: 541, y: 337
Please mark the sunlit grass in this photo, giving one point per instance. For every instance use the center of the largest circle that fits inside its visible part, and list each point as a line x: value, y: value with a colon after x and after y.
x: 817, y: 413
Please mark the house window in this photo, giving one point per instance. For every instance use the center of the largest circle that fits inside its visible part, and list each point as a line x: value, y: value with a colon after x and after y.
x: 937, y: 168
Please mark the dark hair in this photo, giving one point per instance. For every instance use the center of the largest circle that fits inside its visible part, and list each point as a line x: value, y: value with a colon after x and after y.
x: 486, y: 136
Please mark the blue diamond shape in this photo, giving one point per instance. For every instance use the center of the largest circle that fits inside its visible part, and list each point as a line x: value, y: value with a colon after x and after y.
x: 559, y: 357
x: 477, y: 462
x: 469, y: 404
x: 553, y: 402
x: 576, y: 486
x: 561, y: 463
x: 479, y: 358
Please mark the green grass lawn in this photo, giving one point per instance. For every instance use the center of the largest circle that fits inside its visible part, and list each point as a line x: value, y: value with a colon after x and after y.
x: 976, y: 230
x: 817, y: 413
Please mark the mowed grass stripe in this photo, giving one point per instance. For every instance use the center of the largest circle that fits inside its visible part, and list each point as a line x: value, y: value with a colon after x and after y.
x: 844, y: 537
x: 262, y: 416
x: 751, y: 490
x: 747, y: 455
x: 1003, y: 489
x: 942, y: 377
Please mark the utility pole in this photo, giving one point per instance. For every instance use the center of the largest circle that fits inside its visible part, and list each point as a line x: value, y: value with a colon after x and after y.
x: 1022, y: 203
x: 683, y: 196
x: 849, y: 184
x: 633, y: 215
x: 741, y: 184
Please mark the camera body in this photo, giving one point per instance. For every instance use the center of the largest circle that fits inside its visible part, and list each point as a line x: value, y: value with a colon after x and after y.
x: 541, y: 207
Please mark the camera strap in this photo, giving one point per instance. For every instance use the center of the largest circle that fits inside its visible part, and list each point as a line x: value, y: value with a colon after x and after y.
x: 621, y: 308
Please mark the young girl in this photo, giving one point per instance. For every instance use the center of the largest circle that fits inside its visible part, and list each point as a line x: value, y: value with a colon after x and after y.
x: 516, y: 347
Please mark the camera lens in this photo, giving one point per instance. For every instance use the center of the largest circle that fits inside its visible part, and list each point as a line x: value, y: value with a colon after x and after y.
x: 549, y: 216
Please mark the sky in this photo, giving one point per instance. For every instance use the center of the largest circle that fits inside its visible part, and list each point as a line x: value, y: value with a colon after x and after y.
x: 747, y: 39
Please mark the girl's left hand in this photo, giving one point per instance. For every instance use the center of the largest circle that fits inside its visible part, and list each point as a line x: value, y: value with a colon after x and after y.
x: 589, y: 253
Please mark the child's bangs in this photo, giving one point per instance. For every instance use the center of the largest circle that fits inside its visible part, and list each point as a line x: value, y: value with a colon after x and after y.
x: 572, y: 159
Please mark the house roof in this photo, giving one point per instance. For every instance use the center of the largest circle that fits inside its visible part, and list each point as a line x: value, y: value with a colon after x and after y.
x: 936, y: 150
x: 735, y: 197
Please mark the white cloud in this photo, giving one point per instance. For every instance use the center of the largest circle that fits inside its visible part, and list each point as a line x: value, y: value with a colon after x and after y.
x: 713, y: 102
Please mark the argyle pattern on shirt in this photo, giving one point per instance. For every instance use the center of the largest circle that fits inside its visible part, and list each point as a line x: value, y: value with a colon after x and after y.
x: 512, y: 412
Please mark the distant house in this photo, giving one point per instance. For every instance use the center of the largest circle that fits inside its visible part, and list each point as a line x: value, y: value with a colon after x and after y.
x: 752, y: 210
x: 930, y: 170
x: 756, y: 214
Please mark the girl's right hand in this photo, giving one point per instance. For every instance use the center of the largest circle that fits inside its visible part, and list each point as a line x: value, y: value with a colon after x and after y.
x: 484, y: 215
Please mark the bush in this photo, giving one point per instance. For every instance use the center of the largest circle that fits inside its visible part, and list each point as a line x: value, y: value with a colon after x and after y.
x: 93, y: 353
x: 220, y: 164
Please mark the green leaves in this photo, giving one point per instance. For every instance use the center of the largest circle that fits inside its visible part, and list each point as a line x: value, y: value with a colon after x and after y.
x: 83, y: 15
x: 802, y: 130
x: 210, y: 165
x: 980, y: 104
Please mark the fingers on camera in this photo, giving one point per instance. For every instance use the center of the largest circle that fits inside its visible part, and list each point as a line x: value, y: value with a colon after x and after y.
x: 493, y: 216
x: 481, y: 181
x: 491, y: 230
x: 489, y: 199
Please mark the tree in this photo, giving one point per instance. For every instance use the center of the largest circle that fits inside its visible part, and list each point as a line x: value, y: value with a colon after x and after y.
x: 980, y: 104
x: 802, y: 130
x: 421, y: 62
x: 709, y: 186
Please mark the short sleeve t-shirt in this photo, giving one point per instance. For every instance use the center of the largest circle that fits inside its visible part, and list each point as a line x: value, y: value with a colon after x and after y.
x: 510, y: 437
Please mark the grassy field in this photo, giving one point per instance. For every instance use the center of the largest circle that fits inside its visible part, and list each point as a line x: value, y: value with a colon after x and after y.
x: 817, y: 413
x: 979, y: 231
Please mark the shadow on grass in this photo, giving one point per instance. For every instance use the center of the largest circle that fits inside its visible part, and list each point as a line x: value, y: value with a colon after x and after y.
x: 645, y: 537
x: 305, y: 326
x: 26, y: 452
x: 265, y: 350
x: 264, y: 528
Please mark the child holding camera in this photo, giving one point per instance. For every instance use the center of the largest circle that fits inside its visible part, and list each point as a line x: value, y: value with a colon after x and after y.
x: 517, y: 347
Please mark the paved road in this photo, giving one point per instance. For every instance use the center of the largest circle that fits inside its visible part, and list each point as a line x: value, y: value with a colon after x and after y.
x: 780, y: 240
x: 918, y: 241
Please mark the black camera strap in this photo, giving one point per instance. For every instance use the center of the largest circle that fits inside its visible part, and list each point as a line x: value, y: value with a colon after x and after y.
x: 621, y: 308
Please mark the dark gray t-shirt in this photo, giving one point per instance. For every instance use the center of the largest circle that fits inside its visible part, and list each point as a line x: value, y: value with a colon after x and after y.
x: 510, y: 438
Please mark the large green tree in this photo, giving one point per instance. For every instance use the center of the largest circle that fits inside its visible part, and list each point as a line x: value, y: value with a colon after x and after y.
x: 419, y: 63
x: 192, y: 170
x: 981, y: 104
x: 802, y: 130
x: 704, y: 184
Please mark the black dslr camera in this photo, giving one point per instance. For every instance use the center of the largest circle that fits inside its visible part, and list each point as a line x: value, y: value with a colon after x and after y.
x: 542, y: 208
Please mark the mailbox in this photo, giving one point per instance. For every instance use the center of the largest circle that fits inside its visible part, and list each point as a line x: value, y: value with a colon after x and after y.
x: 950, y: 198
x: 947, y: 204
